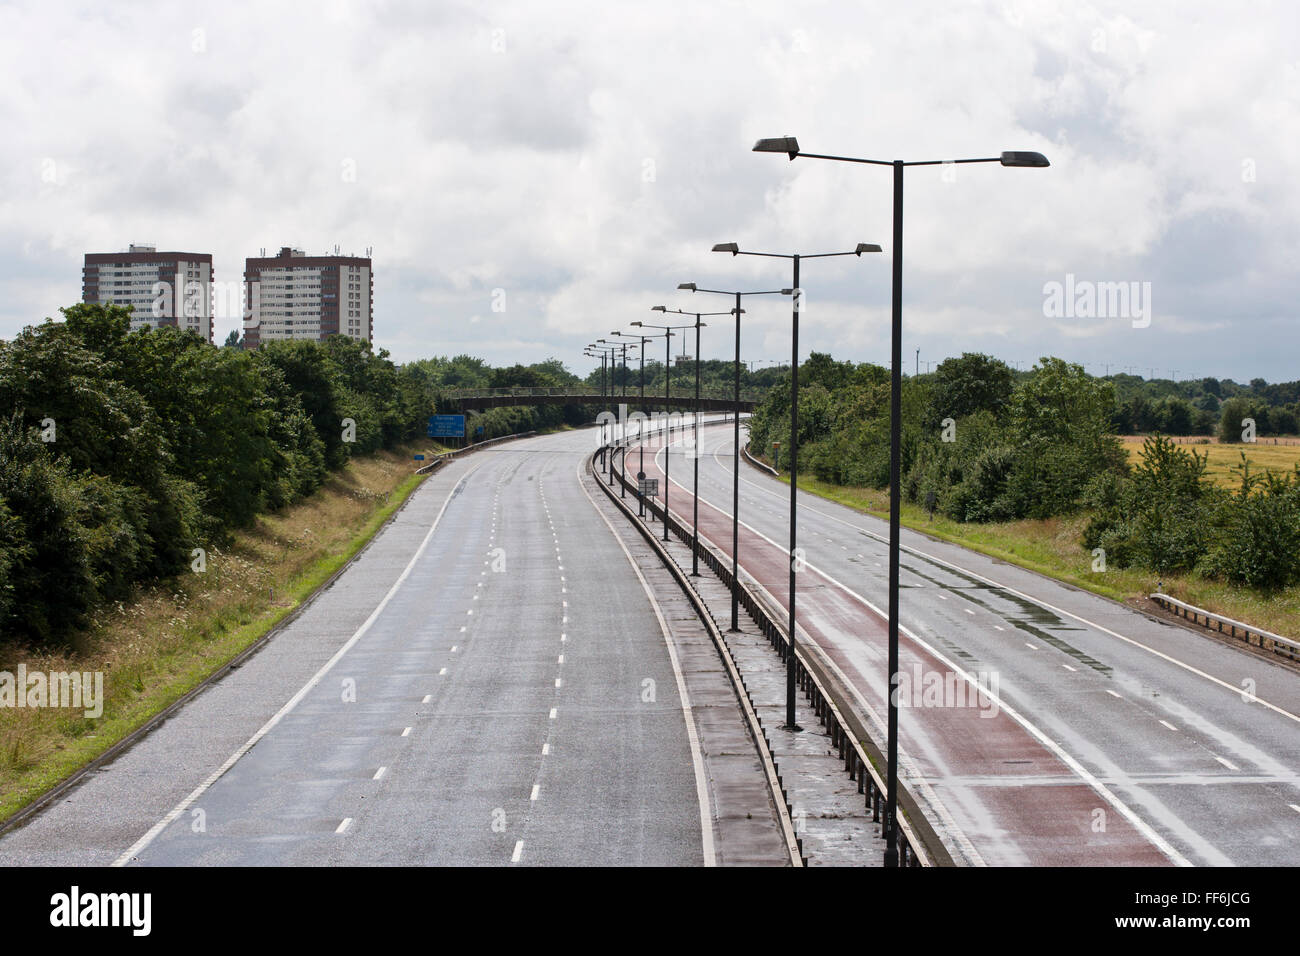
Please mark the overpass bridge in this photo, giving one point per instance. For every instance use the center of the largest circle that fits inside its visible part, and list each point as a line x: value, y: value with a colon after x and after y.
x: 711, y: 400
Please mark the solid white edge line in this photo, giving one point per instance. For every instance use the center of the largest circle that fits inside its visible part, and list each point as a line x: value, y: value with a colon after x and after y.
x: 697, y: 759
x: 293, y: 702
x: 1028, y: 597
x: 1144, y: 828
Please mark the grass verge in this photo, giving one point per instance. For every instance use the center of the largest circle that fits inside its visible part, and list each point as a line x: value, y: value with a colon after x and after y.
x: 176, y: 633
x: 1052, y: 546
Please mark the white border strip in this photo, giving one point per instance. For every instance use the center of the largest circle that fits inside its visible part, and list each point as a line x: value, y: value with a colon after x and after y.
x: 293, y: 702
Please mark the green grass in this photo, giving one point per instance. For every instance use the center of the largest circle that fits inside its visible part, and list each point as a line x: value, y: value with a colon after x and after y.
x: 1053, y: 547
x: 158, y: 648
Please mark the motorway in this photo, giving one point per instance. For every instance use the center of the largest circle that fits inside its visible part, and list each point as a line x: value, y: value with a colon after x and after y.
x: 1100, y: 736
x: 472, y: 690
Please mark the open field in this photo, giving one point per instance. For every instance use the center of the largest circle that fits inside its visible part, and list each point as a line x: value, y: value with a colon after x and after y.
x: 1276, y: 454
x: 1053, y: 547
x: 155, y: 649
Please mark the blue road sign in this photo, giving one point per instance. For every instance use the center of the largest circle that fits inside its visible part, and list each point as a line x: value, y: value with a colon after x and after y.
x: 446, y: 426
x: 419, y: 458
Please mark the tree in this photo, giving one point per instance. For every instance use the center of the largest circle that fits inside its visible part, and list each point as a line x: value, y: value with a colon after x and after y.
x: 233, y: 340
x: 975, y: 382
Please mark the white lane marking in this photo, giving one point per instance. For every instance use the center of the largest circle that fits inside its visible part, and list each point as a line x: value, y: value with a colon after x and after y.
x: 561, y: 659
x: 558, y: 681
x: 1069, y: 668
x: 536, y: 790
x: 441, y: 672
x: 519, y: 851
x: 197, y: 792
x: 968, y: 611
x: 1294, y: 806
x: 406, y: 732
x: 563, y: 638
x: 347, y: 822
x: 1088, y: 777
x: 471, y: 610
x: 1234, y: 690
x: 1168, y: 724
x: 998, y: 627
x: 546, y: 749
x: 552, y: 713
x: 943, y: 597
x: 1032, y: 647
x: 380, y: 772
x: 427, y: 698
x: 697, y: 759
x: 1113, y: 694
x: 462, y: 630
x: 455, y: 648
x: 1227, y: 763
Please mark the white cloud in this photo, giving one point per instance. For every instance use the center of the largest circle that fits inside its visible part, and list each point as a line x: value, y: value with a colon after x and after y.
x: 585, y: 158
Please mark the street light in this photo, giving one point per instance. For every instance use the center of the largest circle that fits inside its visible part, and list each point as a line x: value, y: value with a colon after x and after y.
x: 695, y: 517
x: 796, y: 292
x: 623, y: 346
x: 669, y: 331
x: 790, y: 146
x: 735, y: 451
x: 640, y: 477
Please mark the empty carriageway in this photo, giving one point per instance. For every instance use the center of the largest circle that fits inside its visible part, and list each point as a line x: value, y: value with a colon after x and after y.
x: 1113, y: 738
x: 489, y: 683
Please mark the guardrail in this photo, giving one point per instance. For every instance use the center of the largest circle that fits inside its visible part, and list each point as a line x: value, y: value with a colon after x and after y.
x: 451, y: 455
x: 1255, y: 636
x: 814, y: 682
x: 744, y: 450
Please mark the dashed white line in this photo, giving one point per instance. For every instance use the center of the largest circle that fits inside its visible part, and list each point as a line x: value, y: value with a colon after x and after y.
x: 1227, y: 763
x: 1113, y: 694
x: 561, y: 659
x: 1032, y: 647
x: 968, y: 610
x: 1168, y: 724
x: 519, y: 851
x: 347, y: 822
x: 536, y: 790
x: 441, y: 672
x: 546, y: 749
x: 406, y: 732
x: 558, y: 681
x: 552, y: 713
x: 1072, y: 670
x: 380, y: 772
x: 429, y: 697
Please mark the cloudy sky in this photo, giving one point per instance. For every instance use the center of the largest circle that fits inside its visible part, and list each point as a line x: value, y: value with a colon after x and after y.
x: 531, y: 176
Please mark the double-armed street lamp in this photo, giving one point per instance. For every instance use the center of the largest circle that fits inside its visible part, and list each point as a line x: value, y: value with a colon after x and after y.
x: 735, y: 451
x: 790, y: 146
x: 623, y: 347
x: 669, y: 332
x: 695, y: 517
x: 796, y: 293
x: 640, y: 477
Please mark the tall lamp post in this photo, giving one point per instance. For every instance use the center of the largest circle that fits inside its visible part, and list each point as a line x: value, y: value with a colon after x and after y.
x: 669, y: 332
x: 796, y: 293
x: 623, y: 347
x: 790, y: 146
x: 735, y: 452
x: 641, y: 443
x: 695, y: 516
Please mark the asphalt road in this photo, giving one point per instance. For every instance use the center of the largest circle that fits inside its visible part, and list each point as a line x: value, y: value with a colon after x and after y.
x: 1104, y: 737
x: 472, y: 691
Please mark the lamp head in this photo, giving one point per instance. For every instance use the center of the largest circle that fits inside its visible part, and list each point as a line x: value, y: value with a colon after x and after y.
x: 688, y: 286
x: 780, y: 144
x: 637, y: 324
x: 866, y: 247
x: 1024, y: 159
x: 727, y: 247
x: 658, y: 308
